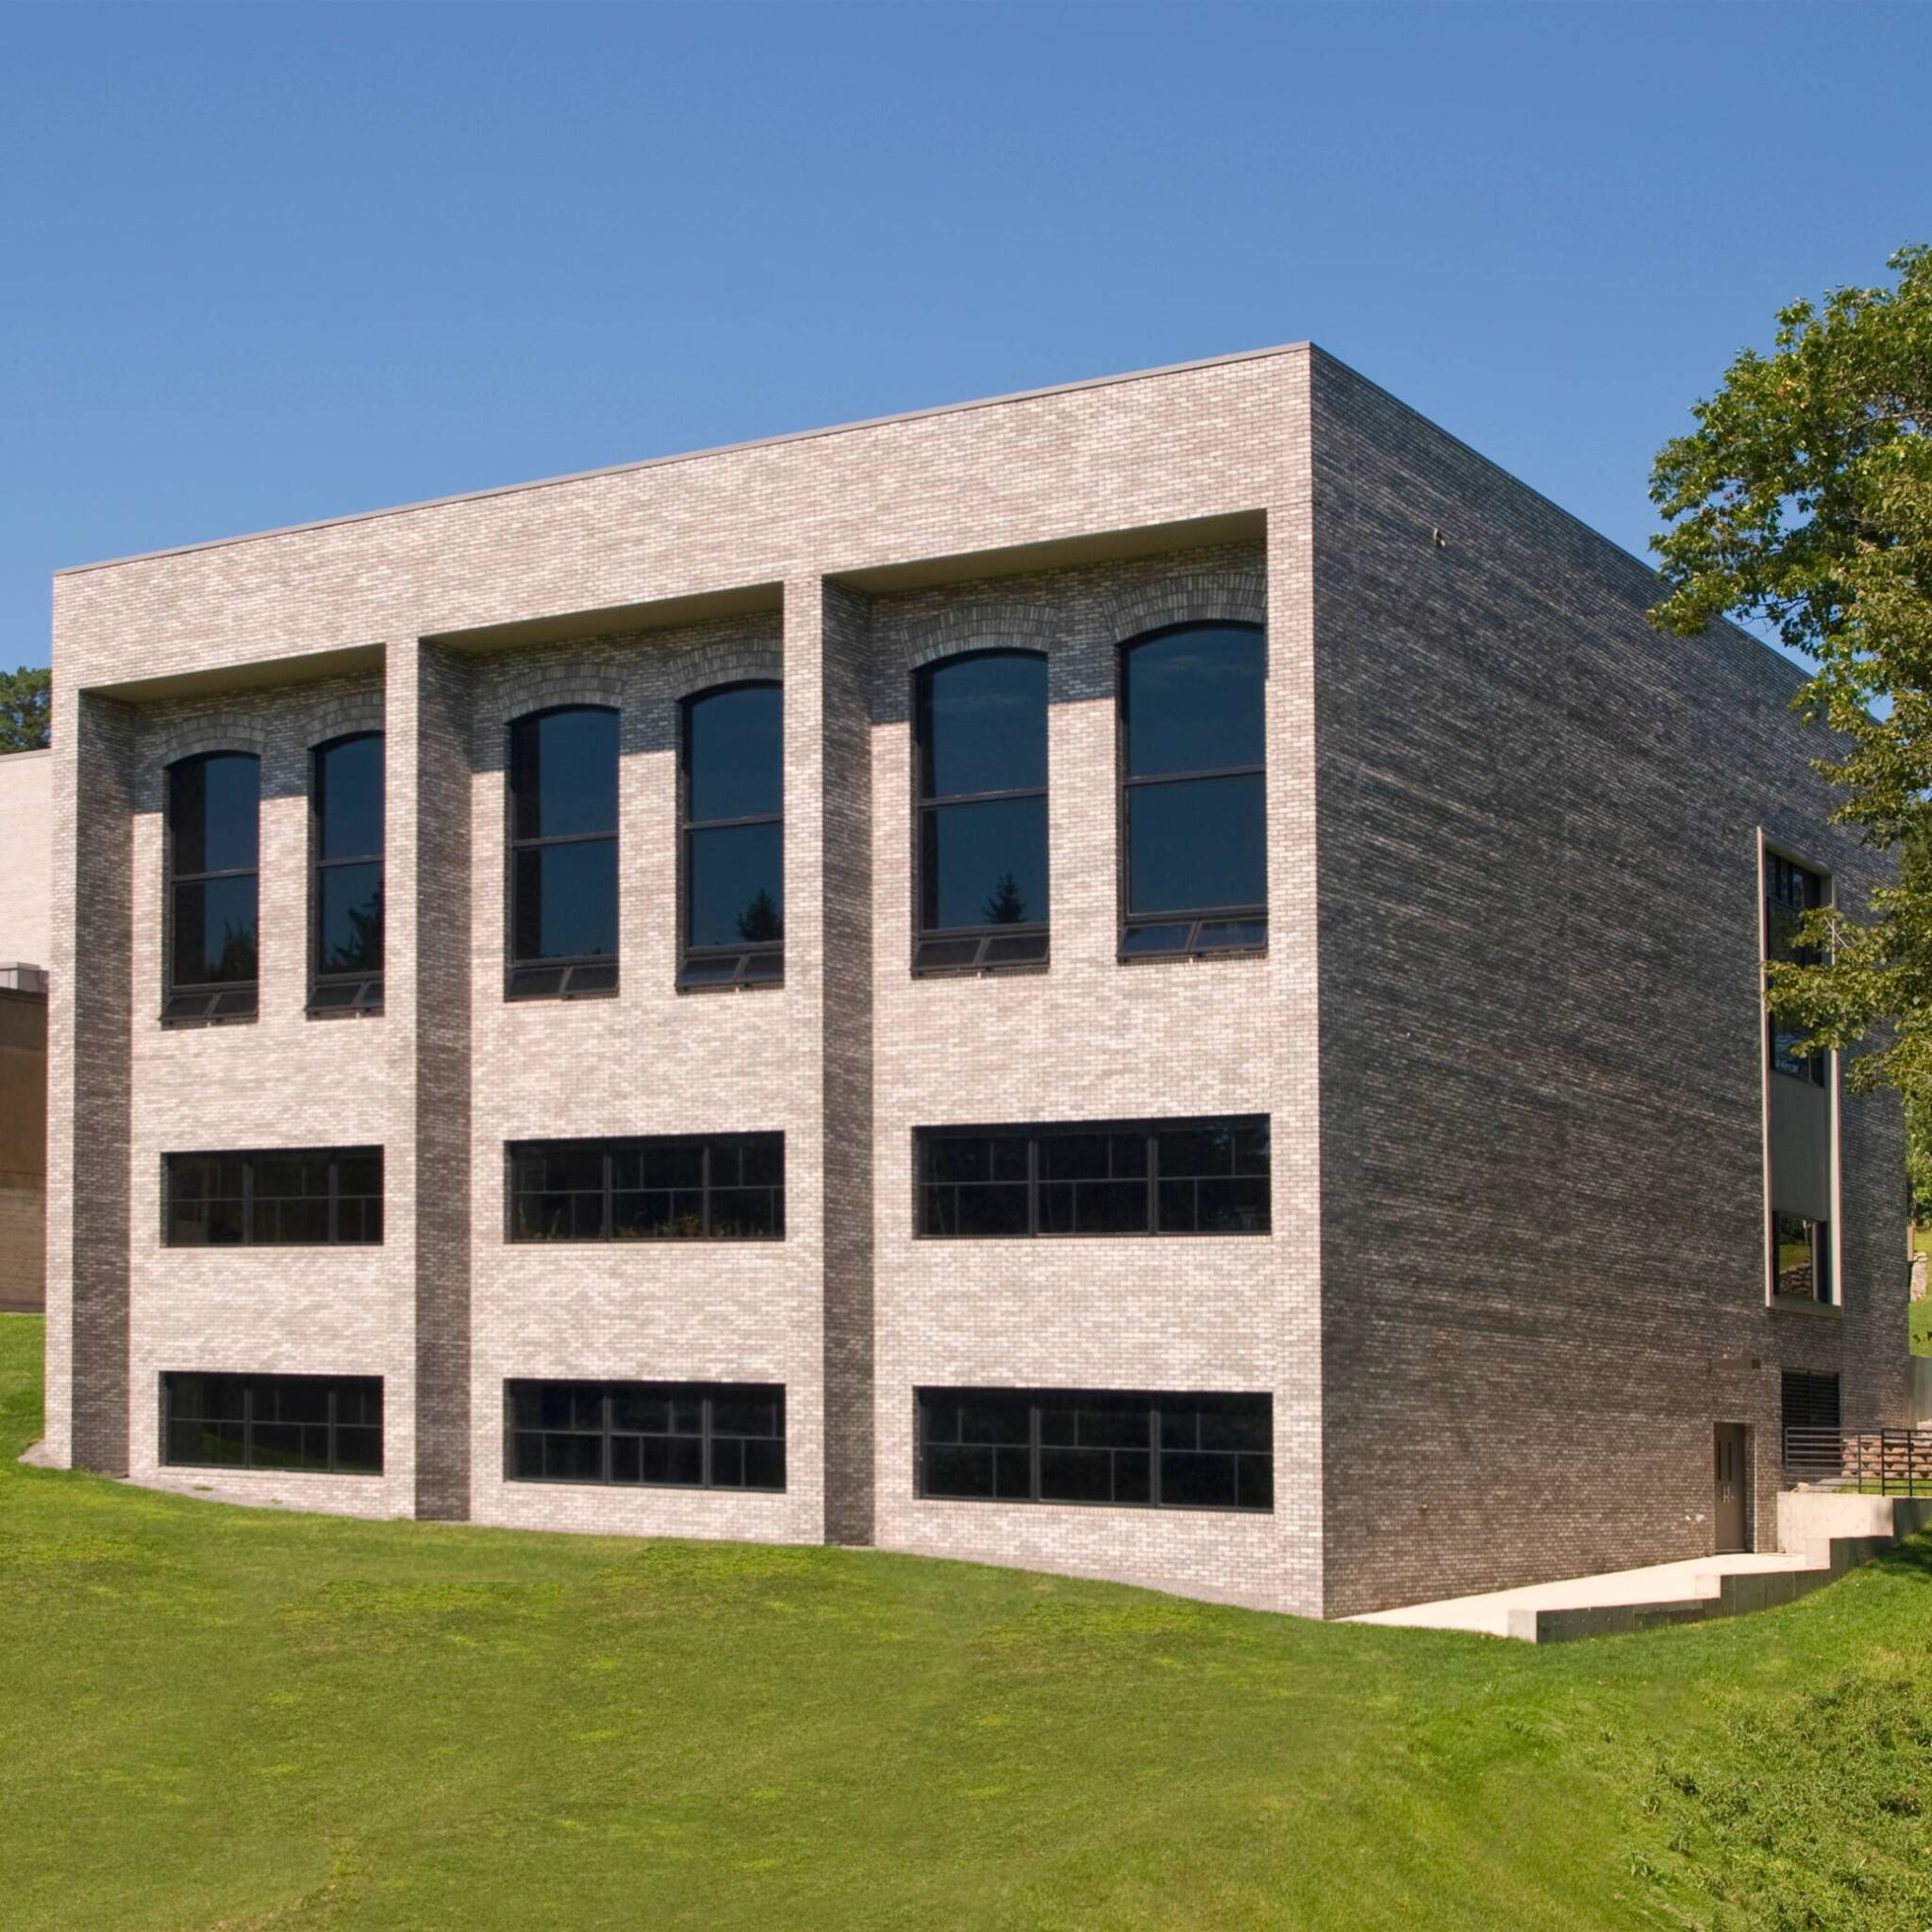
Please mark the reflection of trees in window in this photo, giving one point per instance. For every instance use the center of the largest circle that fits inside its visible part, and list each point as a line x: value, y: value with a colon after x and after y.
x: 1800, y: 1258
x: 1192, y: 778
x: 1790, y: 890
x: 346, y: 801
x: 213, y: 853
x: 732, y: 842
x: 563, y: 852
x: 980, y: 724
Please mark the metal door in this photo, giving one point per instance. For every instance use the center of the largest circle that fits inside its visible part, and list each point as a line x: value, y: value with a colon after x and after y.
x: 1733, y: 1486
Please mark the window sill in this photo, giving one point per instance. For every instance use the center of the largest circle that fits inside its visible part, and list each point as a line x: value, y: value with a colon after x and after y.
x: 700, y: 986
x: 645, y: 1241
x: 255, y: 1468
x: 1073, y: 1503
x: 341, y: 1013
x: 588, y: 1482
x: 202, y: 1026
x: 1805, y: 1305
x: 1163, y: 1234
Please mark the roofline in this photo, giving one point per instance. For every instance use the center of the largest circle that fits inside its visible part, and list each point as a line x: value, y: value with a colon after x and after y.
x: 693, y: 455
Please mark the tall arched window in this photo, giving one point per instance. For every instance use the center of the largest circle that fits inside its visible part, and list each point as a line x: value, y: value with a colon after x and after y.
x: 1194, y: 871
x: 732, y: 790
x: 345, y: 905
x: 981, y: 730
x: 563, y: 852
x: 214, y: 804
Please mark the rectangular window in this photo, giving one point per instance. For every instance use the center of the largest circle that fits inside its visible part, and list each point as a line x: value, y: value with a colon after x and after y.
x: 1790, y: 890
x: 654, y: 1434
x: 1136, y: 1178
x: 1800, y: 1258
x: 672, y: 1186
x: 327, y: 1424
x: 274, y: 1198
x: 213, y: 860
x: 1107, y: 1447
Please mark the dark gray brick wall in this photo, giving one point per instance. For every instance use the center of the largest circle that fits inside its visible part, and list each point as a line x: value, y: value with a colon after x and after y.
x: 1542, y: 1231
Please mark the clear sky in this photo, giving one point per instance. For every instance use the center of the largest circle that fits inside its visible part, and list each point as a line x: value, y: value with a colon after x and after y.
x: 268, y: 263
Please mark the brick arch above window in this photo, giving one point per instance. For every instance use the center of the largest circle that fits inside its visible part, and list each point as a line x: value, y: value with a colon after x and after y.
x: 706, y: 666
x: 169, y: 745
x: 1216, y: 597
x: 990, y: 626
x: 342, y: 718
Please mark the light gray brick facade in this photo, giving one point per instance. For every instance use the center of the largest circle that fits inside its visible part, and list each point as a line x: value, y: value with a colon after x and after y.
x: 1505, y: 1028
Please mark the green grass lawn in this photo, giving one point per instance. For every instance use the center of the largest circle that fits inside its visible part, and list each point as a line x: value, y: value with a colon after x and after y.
x: 221, y: 1716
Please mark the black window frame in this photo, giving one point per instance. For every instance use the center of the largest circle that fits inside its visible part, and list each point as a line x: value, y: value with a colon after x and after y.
x: 593, y: 975
x: 172, y: 1162
x: 709, y: 1394
x: 335, y: 994
x: 1782, y: 871
x: 1205, y: 932
x: 963, y: 952
x: 610, y: 1147
x: 756, y: 964
x: 214, y: 1002
x: 251, y: 1387
x: 1036, y: 1133
x: 1036, y: 1403
x: 1818, y: 1238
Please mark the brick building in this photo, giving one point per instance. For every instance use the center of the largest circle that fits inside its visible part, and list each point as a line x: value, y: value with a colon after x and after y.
x: 1157, y: 979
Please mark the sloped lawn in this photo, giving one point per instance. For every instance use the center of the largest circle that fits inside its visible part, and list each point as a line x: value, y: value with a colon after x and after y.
x: 213, y: 1717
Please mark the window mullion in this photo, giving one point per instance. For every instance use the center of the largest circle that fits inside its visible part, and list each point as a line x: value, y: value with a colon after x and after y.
x: 248, y: 1423
x: 248, y: 1199
x: 1153, y: 1455
x: 1033, y: 1184
x: 607, y: 1224
x: 607, y: 1462
x: 1152, y: 1181
x: 1033, y: 1452
x: 705, y: 1186
x: 704, y: 1435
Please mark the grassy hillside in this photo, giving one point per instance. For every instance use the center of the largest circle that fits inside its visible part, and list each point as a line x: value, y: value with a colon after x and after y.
x: 219, y: 1717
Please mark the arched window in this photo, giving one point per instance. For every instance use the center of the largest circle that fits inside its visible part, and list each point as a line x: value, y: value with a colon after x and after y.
x: 732, y: 789
x: 1193, y: 812
x: 347, y: 805
x: 214, y: 803
x: 981, y: 730
x: 563, y: 852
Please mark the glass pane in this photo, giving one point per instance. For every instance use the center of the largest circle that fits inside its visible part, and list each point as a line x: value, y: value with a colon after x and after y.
x: 737, y: 886
x: 1193, y: 702
x: 563, y: 774
x: 214, y: 932
x: 764, y: 1465
x: 743, y: 1213
x: 746, y: 1412
x: 1152, y: 940
x: 1193, y: 1481
x: 348, y: 919
x: 1075, y: 1475
x: 1196, y: 845
x: 734, y: 754
x: 1231, y: 935
x: 358, y: 1451
x: 678, y: 1459
x: 566, y: 901
x: 213, y: 810
x: 206, y: 1398
x: 983, y: 864
x: 964, y: 1473
x: 982, y: 724
x: 984, y: 1212
x: 348, y: 799
x: 938, y: 955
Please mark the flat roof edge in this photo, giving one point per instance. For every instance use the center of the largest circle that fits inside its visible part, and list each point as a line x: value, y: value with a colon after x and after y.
x: 690, y: 456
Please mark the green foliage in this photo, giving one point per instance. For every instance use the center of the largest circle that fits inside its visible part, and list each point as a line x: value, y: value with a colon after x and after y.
x: 259, y: 1718
x: 1804, y: 499
x: 26, y: 707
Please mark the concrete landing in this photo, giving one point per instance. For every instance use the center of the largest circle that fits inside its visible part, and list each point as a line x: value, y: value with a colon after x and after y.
x: 1823, y: 1535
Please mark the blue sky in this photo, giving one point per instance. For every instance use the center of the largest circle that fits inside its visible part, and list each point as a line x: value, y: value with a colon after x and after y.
x: 270, y: 263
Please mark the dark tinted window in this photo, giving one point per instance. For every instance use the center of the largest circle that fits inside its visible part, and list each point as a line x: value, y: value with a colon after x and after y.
x: 282, y: 1197
x: 1790, y: 890
x: 563, y: 852
x: 1113, y: 1448
x: 734, y: 838
x: 676, y: 1435
x: 981, y: 748
x: 1178, y: 1176
x: 316, y: 1424
x: 213, y: 820
x: 348, y: 806
x: 1193, y: 809
x: 698, y: 1187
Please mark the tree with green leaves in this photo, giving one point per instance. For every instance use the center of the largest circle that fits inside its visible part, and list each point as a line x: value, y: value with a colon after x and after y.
x: 26, y: 707
x: 1803, y: 501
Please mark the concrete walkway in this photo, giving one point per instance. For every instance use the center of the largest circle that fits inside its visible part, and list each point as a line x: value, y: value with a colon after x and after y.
x: 1823, y: 1535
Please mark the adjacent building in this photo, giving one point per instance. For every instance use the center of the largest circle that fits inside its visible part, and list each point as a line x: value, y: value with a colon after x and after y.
x: 1158, y: 979
x: 26, y: 922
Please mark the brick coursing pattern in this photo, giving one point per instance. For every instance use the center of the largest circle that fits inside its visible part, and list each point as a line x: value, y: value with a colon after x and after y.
x: 1502, y: 1047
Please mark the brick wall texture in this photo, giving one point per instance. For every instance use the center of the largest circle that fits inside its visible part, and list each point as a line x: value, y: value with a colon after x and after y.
x: 1506, y: 1027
